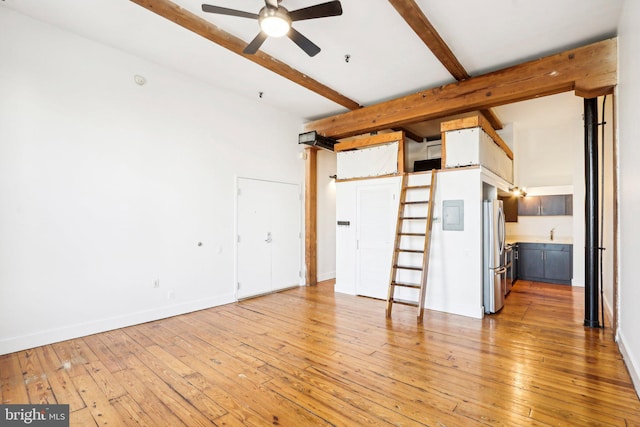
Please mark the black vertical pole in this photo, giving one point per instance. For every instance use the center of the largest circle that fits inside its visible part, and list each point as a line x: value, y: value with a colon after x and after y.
x: 591, y: 213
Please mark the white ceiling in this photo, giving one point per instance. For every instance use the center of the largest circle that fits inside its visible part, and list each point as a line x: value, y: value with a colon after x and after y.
x: 387, y: 58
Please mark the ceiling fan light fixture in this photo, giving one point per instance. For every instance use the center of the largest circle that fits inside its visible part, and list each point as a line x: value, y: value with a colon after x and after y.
x: 274, y: 22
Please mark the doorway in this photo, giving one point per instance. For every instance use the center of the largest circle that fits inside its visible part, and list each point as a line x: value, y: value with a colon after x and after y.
x: 268, y: 236
x: 376, y: 218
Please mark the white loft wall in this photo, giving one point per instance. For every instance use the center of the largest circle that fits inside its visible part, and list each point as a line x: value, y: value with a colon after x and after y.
x: 107, y: 186
x: 629, y: 176
x: 326, y: 227
x: 455, y: 262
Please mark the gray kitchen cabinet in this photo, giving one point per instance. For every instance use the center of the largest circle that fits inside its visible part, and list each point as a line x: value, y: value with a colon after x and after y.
x: 545, y: 262
x: 554, y: 205
x: 529, y: 206
x: 510, y: 207
x: 560, y: 204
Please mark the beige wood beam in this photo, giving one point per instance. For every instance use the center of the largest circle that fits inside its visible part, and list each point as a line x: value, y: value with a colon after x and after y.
x: 311, y: 216
x: 369, y: 141
x: 492, y: 117
x: 418, y: 21
x: 412, y: 135
x: 204, y: 28
x: 594, y: 66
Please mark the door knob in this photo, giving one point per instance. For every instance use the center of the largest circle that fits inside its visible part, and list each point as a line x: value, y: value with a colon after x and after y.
x: 268, y: 239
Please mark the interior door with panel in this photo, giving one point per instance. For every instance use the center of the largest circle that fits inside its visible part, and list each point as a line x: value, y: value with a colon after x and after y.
x: 254, y: 252
x: 285, y: 235
x: 268, y: 247
x: 376, y: 221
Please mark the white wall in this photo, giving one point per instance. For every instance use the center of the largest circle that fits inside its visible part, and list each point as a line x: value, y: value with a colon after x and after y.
x: 326, y: 225
x: 107, y: 186
x: 608, y: 168
x: 629, y: 194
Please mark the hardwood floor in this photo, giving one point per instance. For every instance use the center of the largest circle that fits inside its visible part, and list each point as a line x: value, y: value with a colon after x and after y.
x: 309, y: 357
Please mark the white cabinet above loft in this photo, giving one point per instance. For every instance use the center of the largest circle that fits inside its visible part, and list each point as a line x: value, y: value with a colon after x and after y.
x: 466, y: 147
x: 472, y: 141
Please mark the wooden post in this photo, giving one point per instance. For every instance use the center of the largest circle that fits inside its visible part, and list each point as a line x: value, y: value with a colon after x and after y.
x: 310, y: 215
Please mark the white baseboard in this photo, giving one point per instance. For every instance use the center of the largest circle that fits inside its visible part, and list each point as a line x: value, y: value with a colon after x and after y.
x: 13, y: 344
x: 326, y: 276
x: 631, y: 361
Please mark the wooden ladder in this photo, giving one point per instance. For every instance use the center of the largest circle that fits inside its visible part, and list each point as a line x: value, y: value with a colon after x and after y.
x: 400, y: 246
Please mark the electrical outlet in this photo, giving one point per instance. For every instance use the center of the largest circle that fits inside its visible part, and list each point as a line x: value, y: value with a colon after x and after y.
x: 171, y: 294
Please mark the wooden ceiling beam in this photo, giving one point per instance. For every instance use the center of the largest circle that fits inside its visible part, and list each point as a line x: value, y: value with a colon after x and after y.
x: 591, y: 68
x: 204, y: 28
x: 419, y: 22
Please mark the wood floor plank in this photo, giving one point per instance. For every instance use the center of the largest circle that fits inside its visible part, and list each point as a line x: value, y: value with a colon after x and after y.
x: 132, y: 412
x: 74, y: 354
x: 331, y: 395
x: 270, y: 406
x: 104, y: 379
x: 309, y: 356
x: 206, y: 406
x: 61, y: 385
x: 238, y: 410
x: 14, y: 390
x: 176, y: 365
x: 104, y: 353
x: 192, y: 408
x: 81, y: 418
x: 101, y: 409
x: 36, y: 378
x: 148, y: 402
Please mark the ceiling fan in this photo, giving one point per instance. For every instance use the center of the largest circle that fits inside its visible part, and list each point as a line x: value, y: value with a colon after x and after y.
x: 275, y: 21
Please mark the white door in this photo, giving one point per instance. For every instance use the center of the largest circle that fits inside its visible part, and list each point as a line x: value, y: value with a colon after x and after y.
x: 376, y: 222
x: 268, y: 248
x: 286, y: 235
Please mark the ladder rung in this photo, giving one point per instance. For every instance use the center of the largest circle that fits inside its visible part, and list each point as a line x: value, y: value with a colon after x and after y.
x: 414, y: 251
x: 405, y: 302
x: 418, y: 202
x: 406, y: 267
x: 414, y: 217
x: 406, y: 285
x: 416, y: 187
x: 412, y: 234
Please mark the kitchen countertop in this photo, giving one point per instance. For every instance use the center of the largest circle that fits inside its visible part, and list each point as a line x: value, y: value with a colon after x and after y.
x: 539, y: 239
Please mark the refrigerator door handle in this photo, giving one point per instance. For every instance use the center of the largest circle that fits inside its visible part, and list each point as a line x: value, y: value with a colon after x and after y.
x: 502, y: 230
x: 500, y: 270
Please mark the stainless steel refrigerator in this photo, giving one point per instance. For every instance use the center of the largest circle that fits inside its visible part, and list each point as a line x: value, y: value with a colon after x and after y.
x: 495, y: 273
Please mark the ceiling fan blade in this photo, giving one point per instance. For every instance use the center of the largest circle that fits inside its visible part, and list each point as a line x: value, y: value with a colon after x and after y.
x: 225, y: 11
x: 271, y: 3
x: 304, y: 43
x: 255, y: 43
x: 332, y: 8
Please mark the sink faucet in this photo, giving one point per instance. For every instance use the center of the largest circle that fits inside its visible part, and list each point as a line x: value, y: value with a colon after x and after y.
x: 551, y: 233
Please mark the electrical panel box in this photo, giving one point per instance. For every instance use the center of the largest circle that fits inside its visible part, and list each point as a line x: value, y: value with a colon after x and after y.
x: 453, y: 215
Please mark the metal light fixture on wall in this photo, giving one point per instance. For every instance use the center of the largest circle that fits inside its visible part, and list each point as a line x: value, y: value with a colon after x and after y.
x: 518, y: 192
